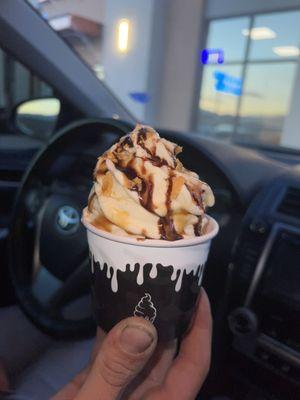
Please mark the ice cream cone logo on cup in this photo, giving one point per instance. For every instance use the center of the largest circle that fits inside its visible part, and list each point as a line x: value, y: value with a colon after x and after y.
x: 145, y: 308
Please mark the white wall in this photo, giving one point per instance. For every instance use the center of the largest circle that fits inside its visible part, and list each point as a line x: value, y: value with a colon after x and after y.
x: 184, y: 22
x: 123, y: 73
x: 126, y: 73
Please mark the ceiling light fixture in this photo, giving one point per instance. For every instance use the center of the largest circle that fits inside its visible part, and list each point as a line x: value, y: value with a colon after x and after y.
x: 286, y: 51
x: 123, y: 35
x: 259, y: 33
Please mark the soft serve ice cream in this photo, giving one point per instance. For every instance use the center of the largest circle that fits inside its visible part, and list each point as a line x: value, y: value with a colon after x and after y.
x: 142, y: 192
x: 141, y: 189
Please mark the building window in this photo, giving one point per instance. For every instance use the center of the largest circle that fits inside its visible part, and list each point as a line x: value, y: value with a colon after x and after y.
x: 248, y: 97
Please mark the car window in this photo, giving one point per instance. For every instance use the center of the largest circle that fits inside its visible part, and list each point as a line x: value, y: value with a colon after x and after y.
x: 18, y: 83
x: 249, y: 96
x: 227, y: 70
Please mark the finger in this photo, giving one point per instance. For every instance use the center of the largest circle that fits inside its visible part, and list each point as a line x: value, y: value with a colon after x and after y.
x: 4, y: 383
x: 100, y: 336
x: 72, y: 388
x: 154, y: 373
x: 124, y: 352
x: 191, y: 366
x: 69, y: 391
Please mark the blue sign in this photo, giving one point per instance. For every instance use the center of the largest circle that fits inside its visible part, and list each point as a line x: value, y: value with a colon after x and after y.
x: 212, y: 56
x: 227, y: 83
x: 140, y: 97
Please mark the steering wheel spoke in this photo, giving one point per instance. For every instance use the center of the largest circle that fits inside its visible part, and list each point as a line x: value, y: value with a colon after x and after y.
x: 36, y: 262
x: 76, y: 285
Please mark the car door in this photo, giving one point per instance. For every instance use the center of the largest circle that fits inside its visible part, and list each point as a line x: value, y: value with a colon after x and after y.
x: 24, y: 129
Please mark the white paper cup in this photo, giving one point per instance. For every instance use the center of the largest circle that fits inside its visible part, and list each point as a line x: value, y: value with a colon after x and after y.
x: 155, y: 279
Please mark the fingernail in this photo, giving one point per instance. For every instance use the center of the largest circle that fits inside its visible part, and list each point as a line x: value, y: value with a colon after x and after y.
x: 135, y: 339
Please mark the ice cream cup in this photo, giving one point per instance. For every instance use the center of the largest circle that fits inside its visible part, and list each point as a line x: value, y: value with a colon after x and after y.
x: 155, y: 279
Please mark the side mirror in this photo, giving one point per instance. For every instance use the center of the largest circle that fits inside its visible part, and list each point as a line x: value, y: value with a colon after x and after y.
x: 37, y: 117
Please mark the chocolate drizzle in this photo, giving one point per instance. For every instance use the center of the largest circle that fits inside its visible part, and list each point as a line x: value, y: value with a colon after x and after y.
x: 167, y: 229
x: 128, y: 171
x: 141, y: 138
x: 169, y: 192
x: 142, y: 135
x: 195, y: 195
x: 133, y: 156
x: 143, y: 188
x: 166, y: 224
x: 127, y: 141
x: 146, y: 195
x: 197, y: 227
x: 158, y: 162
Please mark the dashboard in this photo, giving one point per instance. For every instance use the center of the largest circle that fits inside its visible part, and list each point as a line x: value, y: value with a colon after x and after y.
x: 264, y: 309
x: 260, y: 301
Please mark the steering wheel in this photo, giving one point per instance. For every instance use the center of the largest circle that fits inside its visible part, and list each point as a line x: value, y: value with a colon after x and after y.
x: 49, y: 264
x: 48, y: 249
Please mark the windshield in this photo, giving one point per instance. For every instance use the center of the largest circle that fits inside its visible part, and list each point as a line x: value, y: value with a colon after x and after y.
x: 227, y: 70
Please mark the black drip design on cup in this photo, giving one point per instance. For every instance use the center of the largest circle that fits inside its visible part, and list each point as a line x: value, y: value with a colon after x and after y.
x: 155, y: 299
x: 143, y: 271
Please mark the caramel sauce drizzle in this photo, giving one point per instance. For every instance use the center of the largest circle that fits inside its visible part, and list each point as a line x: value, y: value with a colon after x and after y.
x: 102, y: 222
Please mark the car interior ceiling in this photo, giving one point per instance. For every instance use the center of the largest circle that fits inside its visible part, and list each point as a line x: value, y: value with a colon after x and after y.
x: 252, y: 273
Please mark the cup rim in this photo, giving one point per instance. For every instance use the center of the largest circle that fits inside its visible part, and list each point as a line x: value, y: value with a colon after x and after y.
x: 155, y: 242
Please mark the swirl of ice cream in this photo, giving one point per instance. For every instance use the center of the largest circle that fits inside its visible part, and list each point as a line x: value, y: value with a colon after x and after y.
x: 142, y: 189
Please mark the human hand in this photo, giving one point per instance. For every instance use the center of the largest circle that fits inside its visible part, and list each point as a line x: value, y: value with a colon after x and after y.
x: 4, y: 383
x: 128, y: 364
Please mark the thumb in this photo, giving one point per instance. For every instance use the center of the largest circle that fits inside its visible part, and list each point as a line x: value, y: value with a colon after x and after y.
x: 123, y: 354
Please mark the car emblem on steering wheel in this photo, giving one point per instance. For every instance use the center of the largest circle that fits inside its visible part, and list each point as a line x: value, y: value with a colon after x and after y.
x: 68, y: 219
